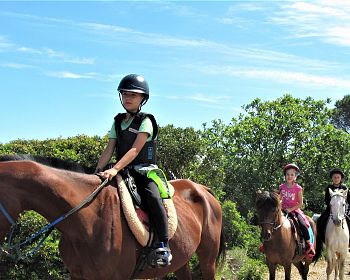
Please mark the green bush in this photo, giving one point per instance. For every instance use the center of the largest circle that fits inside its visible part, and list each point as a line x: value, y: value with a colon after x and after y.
x: 251, y: 270
x: 45, y: 263
x: 239, y: 266
x: 237, y: 231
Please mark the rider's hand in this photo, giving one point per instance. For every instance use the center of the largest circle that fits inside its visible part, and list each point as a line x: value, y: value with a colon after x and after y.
x: 109, y: 173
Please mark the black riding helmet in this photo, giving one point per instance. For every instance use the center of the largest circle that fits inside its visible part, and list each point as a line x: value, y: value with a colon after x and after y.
x: 134, y: 83
x: 336, y: 171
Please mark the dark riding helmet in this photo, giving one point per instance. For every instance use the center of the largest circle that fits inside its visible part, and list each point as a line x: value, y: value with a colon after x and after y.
x: 290, y: 165
x: 134, y: 83
x: 336, y: 171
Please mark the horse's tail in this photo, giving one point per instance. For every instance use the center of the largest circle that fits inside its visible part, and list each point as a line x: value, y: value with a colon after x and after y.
x: 320, y: 224
x: 221, y: 257
x: 319, y: 249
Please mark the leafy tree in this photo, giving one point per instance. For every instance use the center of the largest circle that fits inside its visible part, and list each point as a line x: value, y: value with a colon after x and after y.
x: 178, y: 149
x: 269, y: 135
x: 341, y: 113
x: 81, y: 149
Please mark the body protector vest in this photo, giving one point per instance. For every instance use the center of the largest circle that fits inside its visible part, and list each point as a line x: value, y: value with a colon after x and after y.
x: 126, y: 138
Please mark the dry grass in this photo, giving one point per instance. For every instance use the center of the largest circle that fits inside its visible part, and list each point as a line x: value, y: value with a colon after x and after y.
x: 316, y: 272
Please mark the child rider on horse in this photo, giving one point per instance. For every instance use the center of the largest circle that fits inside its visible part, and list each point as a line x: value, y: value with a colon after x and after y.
x: 133, y: 137
x: 292, y: 202
x: 337, y: 176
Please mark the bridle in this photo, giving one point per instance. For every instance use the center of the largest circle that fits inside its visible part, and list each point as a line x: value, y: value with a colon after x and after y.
x: 332, y: 216
x: 274, y: 224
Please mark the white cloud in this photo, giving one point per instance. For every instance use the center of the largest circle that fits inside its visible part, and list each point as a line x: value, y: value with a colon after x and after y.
x: 328, y: 20
x: 68, y: 75
x: 200, y: 97
x: 67, y: 58
x: 252, y: 54
x: 279, y: 76
x: 88, y: 75
x: 4, y: 43
x: 28, y: 50
x: 16, y: 65
x: 113, y: 33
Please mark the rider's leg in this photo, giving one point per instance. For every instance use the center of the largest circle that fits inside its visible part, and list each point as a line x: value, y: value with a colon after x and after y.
x: 321, y: 226
x: 309, y: 248
x: 159, y: 220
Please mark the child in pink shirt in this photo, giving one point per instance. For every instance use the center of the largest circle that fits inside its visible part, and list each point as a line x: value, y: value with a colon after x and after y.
x: 292, y: 202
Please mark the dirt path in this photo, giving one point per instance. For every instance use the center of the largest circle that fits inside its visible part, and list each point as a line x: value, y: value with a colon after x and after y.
x: 316, y: 272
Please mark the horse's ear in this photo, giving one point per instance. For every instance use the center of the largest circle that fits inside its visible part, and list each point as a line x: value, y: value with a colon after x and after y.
x: 259, y: 193
x: 278, y: 192
x: 345, y: 193
x: 330, y: 191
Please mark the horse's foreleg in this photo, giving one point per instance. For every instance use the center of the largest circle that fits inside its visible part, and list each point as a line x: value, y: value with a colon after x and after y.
x: 184, y: 273
x: 303, y: 269
x: 287, y: 271
x: 272, y: 270
x: 341, y: 264
x: 330, y: 265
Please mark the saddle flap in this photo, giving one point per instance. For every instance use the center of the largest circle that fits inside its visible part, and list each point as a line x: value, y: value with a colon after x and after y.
x: 136, y: 226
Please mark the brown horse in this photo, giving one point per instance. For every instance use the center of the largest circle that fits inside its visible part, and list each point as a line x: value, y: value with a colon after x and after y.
x: 96, y: 242
x: 280, y: 246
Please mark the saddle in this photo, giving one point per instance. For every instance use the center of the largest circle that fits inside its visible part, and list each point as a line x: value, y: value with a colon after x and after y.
x: 300, y: 249
x: 137, y: 219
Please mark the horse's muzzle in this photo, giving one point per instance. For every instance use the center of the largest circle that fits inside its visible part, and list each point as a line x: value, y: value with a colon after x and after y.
x: 337, y: 222
x: 266, y: 235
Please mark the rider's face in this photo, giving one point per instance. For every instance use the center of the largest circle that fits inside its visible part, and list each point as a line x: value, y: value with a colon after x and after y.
x: 291, y: 175
x: 131, y: 100
x: 336, y: 178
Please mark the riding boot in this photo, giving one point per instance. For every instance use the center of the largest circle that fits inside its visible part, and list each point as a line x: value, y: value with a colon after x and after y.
x: 160, y: 256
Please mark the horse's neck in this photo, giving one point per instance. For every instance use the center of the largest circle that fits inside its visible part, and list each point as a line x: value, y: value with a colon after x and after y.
x: 337, y: 236
x: 280, y: 218
x: 283, y: 223
x: 48, y: 191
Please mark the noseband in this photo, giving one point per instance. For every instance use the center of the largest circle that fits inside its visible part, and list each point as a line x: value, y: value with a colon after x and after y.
x: 274, y: 224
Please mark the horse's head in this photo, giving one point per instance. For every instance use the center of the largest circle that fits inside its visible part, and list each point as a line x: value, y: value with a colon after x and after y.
x: 338, y: 205
x: 268, y: 210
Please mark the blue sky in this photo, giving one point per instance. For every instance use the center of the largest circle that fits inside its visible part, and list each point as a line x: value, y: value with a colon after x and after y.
x: 61, y: 62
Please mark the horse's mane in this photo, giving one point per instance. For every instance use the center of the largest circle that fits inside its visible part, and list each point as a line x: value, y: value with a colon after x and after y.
x: 265, y: 198
x: 50, y: 161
